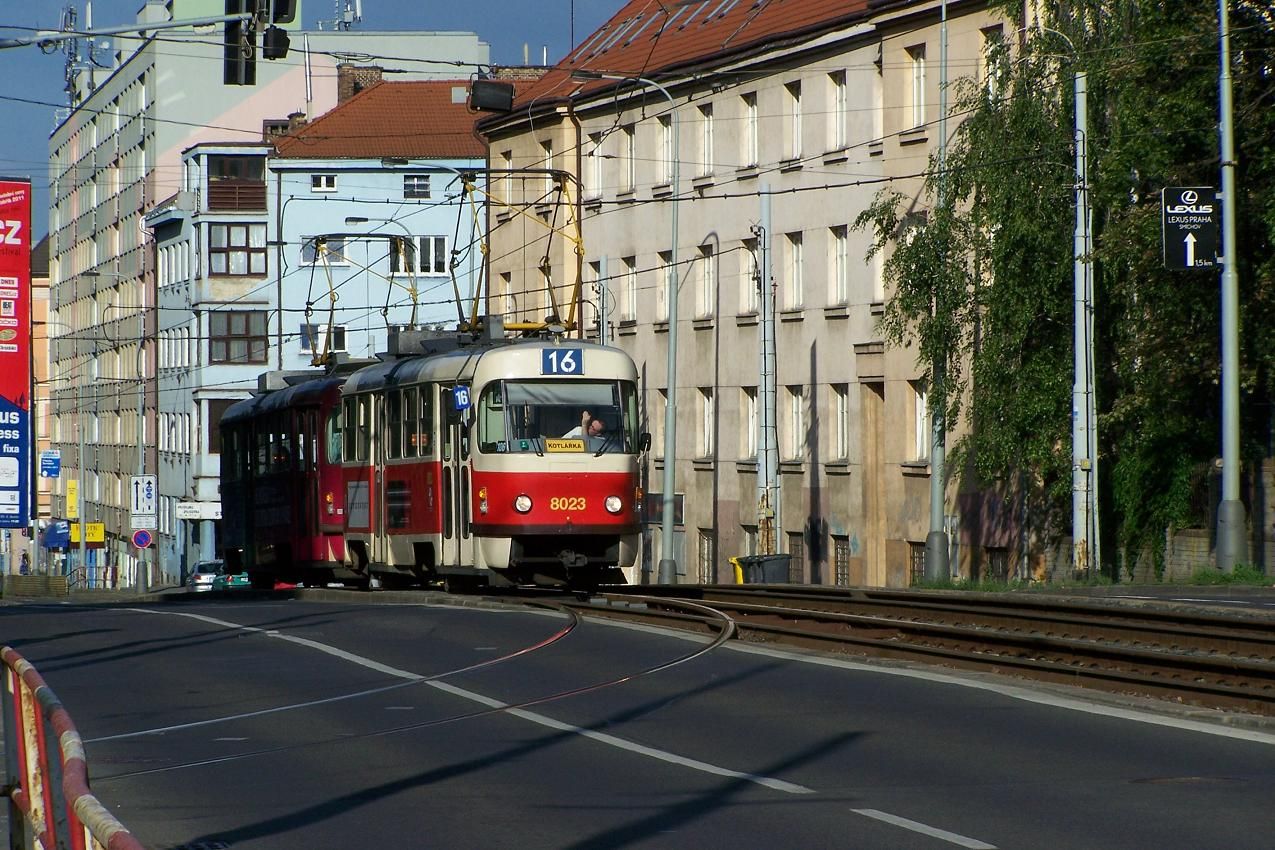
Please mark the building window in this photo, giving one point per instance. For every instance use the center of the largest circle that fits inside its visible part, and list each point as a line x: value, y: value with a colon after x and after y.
x: 315, y: 338
x: 237, y: 336
x: 840, y: 421
x: 707, y: 282
x: 666, y: 149
x: 920, y: 422
x: 706, y: 139
x: 707, y: 424
x: 841, y: 561
x: 628, y: 289
x: 419, y: 255
x: 237, y: 249
x: 838, y: 265
x: 628, y: 138
x: 796, y: 423
x: 657, y: 427
x: 749, y: 533
x: 748, y: 423
x: 415, y: 185
x: 666, y: 280
x: 750, y: 278
x: 593, y: 170
x: 749, y: 152
x: 916, y: 60
x: 795, y: 291
x: 325, y: 250
x: 797, y: 557
x: 996, y: 561
x: 707, y: 571
x: 546, y: 159
x: 793, y: 91
x: 839, y: 112
x: 322, y: 182
x: 989, y: 74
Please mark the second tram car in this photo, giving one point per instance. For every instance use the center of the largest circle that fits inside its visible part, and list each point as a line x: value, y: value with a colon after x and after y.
x: 471, y: 465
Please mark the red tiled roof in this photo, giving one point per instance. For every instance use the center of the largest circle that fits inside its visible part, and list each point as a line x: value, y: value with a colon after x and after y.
x: 415, y: 119
x: 652, y: 37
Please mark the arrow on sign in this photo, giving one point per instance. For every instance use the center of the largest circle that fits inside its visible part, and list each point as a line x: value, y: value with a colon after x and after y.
x: 1190, y: 250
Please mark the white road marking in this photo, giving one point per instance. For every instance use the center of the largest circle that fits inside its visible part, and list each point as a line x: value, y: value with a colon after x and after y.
x: 915, y: 826
x: 534, y: 717
x: 230, y: 739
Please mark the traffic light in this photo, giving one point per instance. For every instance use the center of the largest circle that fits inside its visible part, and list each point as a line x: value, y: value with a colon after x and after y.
x: 274, y: 43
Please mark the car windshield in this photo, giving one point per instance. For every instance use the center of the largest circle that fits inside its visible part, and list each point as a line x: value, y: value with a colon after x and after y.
x: 540, y: 416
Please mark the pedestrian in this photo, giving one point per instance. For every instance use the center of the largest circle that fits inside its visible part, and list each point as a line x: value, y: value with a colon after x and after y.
x: 25, y: 568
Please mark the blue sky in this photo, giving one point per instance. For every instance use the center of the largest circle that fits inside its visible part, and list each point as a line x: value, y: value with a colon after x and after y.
x: 31, y: 75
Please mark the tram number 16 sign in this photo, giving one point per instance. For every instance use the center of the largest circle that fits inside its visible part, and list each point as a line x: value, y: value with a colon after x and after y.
x: 562, y: 361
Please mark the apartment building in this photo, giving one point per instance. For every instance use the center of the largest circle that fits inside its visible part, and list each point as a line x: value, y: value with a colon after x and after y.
x: 730, y: 146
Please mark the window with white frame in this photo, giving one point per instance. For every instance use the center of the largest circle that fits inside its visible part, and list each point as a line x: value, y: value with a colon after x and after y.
x: 657, y: 424
x: 748, y: 422
x: 792, y: 93
x: 838, y: 265
x: 749, y: 277
x: 315, y: 338
x: 593, y: 167
x: 508, y: 303
x: 749, y: 534
x: 322, y: 182
x: 324, y: 250
x: 666, y: 149
x: 628, y: 147
x: 749, y: 136
x: 416, y: 186
x: 839, y: 111
x: 665, y: 280
x: 916, y: 99
x: 546, y: 162
x: 840, y: 421
x: 593, y: 279
x: 989, y: 75
x: 796, y: 442
x: 707, y: 570
x: 706, y: 163
x: 794, y: 293
x: 921, y: 435
x: 707, y: 423
x: 707, y: 300
x: 628, y: 289
x: 425, y: 255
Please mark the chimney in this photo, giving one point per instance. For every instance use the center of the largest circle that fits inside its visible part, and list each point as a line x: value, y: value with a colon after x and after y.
x: 296, y: 120
x: 352, y: 79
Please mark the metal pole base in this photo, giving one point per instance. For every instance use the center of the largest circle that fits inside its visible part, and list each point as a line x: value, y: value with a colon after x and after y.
x: 668, y: 571
x: 1231, y: 527
x: 936, y: 563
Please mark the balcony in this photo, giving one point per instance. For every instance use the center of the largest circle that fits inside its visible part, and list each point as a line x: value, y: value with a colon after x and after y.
x: 236, y: 195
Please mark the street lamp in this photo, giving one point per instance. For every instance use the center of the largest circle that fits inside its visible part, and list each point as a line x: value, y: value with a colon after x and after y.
x: 668, y: 563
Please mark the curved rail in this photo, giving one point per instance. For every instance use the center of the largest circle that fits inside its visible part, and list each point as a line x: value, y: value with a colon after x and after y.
x: 46, y: 772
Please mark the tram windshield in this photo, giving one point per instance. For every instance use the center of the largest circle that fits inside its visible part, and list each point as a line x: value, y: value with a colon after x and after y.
x: 558, y: 416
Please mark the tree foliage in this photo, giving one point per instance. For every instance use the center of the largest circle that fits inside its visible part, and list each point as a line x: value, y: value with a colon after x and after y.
x: 985, y: 284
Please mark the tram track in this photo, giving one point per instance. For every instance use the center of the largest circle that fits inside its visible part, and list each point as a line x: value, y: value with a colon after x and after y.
x: 1186, y: 656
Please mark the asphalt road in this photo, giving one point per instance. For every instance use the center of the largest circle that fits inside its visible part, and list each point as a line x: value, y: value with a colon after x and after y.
x: 296, y: 724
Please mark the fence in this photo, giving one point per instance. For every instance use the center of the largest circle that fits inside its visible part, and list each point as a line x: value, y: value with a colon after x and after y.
x: 46, y: 775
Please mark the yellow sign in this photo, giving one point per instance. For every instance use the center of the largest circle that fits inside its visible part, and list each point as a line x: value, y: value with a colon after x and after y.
x: 96, y: 532
x: 72, y: 499
x: 563, y: 445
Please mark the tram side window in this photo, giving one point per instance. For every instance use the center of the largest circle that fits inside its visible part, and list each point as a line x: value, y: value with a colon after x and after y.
x: 349, y: 429
x: 411, y: 421
x: 393, y: 427
x: 334, y: 437
x: 492, y: 435
x: 364, y: 436
x: 261, y: 451
x: 425, y: 425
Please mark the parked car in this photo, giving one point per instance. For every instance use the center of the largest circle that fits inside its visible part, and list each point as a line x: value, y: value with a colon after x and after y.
x: 231, y: 581
x: 202, y: 574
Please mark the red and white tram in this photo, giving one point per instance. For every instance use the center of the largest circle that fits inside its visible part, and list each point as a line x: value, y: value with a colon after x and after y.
x: 469, y: 465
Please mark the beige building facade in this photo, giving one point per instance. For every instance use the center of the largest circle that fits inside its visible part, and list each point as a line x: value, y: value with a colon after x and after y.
x: 811, y: 124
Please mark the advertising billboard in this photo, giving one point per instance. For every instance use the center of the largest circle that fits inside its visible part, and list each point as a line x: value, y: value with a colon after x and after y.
x: 15, y: 352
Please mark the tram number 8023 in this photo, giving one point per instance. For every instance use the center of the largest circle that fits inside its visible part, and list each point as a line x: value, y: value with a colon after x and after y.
x: 567, y: 503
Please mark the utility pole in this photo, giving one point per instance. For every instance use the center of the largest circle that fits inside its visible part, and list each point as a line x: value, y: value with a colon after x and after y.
x: 1231, y: 519
x: 769, y: 514
x: 1082, y: 460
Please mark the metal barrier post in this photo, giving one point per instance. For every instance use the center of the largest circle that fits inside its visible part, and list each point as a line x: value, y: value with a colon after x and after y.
x: 19, y: 834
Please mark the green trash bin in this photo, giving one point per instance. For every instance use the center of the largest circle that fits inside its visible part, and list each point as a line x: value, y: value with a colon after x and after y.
x: 765, y: 569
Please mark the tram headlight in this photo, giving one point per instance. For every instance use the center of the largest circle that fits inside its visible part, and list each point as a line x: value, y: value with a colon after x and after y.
x: 614, y: 504
x: 522, y: 503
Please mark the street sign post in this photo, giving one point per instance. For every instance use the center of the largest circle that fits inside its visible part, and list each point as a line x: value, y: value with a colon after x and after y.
x: 50, y: 463
x: 141, y: 538
x: 1188, y: 225
x: 144, y: 510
